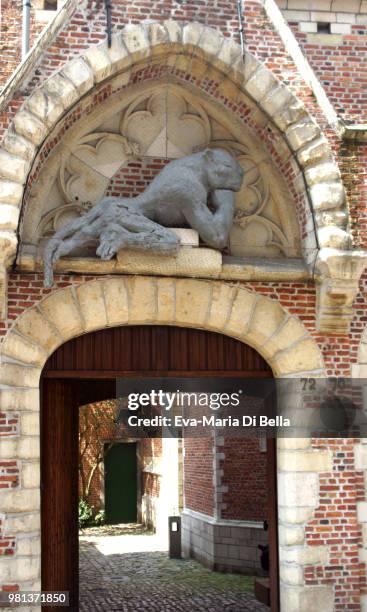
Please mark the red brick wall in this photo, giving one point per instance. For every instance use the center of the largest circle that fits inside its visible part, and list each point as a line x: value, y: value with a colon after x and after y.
x: 198, y: 475
x: 244, y: 472
x: 335, y: 524
x: 11, y: 36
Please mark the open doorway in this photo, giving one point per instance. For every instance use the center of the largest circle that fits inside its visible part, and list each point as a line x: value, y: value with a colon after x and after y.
x: 83, y: 372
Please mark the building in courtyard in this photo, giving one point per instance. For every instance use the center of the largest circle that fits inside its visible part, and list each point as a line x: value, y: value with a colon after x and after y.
x: 92, y: 111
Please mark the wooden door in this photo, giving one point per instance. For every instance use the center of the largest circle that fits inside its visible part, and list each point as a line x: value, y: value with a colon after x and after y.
x: 84, y: 370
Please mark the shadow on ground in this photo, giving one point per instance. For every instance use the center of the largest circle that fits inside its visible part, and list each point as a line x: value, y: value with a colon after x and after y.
x: 130, y: 572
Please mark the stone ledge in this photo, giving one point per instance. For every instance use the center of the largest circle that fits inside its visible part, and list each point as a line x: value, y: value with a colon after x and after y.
x: 186, y: 264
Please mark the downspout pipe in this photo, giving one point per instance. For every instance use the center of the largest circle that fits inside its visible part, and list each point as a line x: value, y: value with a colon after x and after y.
x: 26, y: 27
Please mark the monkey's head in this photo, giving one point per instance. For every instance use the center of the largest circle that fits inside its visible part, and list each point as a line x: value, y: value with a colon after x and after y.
x: 222, y: 170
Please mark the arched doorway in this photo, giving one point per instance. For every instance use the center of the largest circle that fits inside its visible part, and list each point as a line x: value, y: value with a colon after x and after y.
x: 84, y: 370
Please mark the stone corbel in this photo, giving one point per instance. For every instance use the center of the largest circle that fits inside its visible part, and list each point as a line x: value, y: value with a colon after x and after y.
x: 337, y: 275
x: 8, y: 246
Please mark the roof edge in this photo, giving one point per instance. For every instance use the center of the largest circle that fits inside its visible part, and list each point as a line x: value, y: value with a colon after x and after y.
x: 23, y: 70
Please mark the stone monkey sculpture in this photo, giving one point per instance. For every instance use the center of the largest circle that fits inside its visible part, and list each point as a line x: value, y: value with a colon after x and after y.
x: 177, y: 196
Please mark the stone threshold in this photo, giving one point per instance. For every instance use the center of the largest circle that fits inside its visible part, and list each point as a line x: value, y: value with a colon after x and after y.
x: 210, y: 265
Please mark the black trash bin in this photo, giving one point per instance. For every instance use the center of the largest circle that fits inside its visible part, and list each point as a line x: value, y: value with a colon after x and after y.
x: 174, y: 530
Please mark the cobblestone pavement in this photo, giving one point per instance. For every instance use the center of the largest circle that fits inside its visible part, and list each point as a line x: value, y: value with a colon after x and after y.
x: 130, y: 572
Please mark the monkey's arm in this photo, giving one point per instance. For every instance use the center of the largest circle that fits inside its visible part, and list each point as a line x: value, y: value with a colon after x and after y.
x: 214, y: 227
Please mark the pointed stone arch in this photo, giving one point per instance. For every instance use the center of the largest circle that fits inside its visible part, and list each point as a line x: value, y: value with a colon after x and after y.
x: 321, y: 183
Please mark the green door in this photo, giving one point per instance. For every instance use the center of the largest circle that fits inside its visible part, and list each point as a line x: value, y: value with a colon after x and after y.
x: 120, y: 470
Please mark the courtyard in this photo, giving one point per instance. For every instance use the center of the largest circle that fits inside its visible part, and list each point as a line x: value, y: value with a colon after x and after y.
x: 126, y: 568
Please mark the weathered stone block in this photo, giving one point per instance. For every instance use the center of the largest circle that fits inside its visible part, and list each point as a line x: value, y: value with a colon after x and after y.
x: 294, y: 515
x: 80, y: 74
x: 266, y: 319
x: 261, y: 83
x: 136, y: 41
x: 305, y: 555
x: 291, y: 574
x: 241, y: 313
x: 29, y: 424
x: 61, y: 308
x: 22, y: 523
x: 314, y: 151
x: 30, y: 475
x: 25, y: 447
x: 99, y: 62
x: 19, y: 376
x: 29, y: 546
x: 301, y: 133
x: 143, y: 304
x: 9, y: 216
x: 192, y: 302
x: 19, y: 348
x: 304, y: 461
x: 10, y: 192
x: 304, y: 356
x: 17, y: 145
x: 220, y: 305
x: 28, y: 125
x: 12, y: 167
x: 92, y: 305
x: 305, y: 599
x: 298, y: 489
x: 323, y: 172
x: 34, y: 325
x: 62, y: 89
x: 327, y: 195
x: 19, y: 569
x: 116, y: 301
x: 290, y: 332
x: 290, y: 536
x: 20, y: 500
x: 166, y: 300
x: 19, y: 399
x: 334, y: 237
x: 46, y: 107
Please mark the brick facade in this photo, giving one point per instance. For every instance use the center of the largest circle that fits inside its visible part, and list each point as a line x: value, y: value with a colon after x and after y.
x: 335, y: 531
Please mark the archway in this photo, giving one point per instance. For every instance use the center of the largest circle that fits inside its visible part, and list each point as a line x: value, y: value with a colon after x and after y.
x: 214, y: 306
x: 84, y: 370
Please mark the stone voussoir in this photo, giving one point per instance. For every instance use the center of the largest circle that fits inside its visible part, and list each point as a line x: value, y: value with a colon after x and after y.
x: 9, y: 216
x: 62, y: 88
x: 17, y: 145
x: 34, y: 325
x: 92, y: 305
x: 116, y: 301
x: 10, y: 192
x: 135, y: 38
x: 61, y: 308
x: 301, y: 133
x: 192, y: 302
x: 23, y: 350
x: 260, y: 84
x: 45, y: 107
x: 142, y: 299
x: 328, y: 195
x: 28, y: 125
x: 99, y: 62
x: 80, y: 74
x: 12, y: 167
